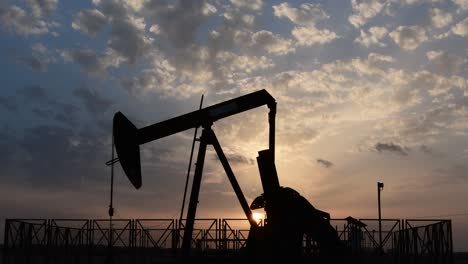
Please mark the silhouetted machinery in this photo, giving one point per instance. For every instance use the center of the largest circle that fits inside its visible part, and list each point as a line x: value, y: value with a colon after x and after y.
x: 289, y: 215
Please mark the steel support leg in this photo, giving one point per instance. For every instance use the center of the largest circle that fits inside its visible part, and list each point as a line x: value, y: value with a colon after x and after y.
x: 188, y: 231
x: 232, y: 178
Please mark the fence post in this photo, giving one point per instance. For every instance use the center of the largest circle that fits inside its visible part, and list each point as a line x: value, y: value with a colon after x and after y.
x: 5, y: 241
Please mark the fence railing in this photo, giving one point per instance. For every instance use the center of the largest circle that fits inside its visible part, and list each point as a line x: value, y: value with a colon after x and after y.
x: 414, y: 238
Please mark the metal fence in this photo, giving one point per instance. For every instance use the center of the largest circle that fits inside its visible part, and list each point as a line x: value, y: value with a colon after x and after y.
x: 147, y: 240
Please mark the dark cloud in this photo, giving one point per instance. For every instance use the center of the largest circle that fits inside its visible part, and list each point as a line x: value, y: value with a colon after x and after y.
x: 88, y: 59
x: 409, y: 38
x: 128, y: 39
x: 53, y: 156
x: 37, y: 59
x: 240, y: 159
x: 425, y: 149
x: 390, y: 147
x: 33, y: 93
x: 179, y: 22
x: 445, y: 62
x: 235, y: 159
x: 8, y: 103
x: 47, y: 107
x: 65, y: 113
x: 89, y: 21
x: 325, y: 163
x: 42, y: 112
x: 157, y: 79
x: 33, y: 62
x: 28, y: 95
x: 93, y: 101
x: 113, y: 8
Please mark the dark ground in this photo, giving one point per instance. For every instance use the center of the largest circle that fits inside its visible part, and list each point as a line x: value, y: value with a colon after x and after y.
x: 145, y: 258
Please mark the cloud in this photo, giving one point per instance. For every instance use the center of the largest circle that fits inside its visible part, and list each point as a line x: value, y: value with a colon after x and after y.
x: 90, y: 61
x: 93, y: 101
x: 239, y: 19
x: 305, y: 18
x: 157, y: 79
x: 179, y: 22
x: 248, y: 4
x: 425, y: 149
x: 155, y: 29
x: 307, y: 36
x: 237, y: 159
x: 369, y: 88
x: 374, y: 88
x: 439, y: 18
x: 461, y: 28
x: 373, y: 37
x: 364, y: 11
x: 39, y: 48
x: 58, y: 158
x: 16, y: 19
x: 409, y: 38
x: 231, y: 62
x: 325, y: 163
x: 427, y: 126
x: 390, y: 147
x: 462, y: 4
x: 128, y: 39
x: 42, y: 7
x: 416, y: 2
x: 38, y: 59
x: 178, y: 77
x: 445, y: 62
x: 246, y: 41
x: 272, y: 43
x: 89, y: 21
x: 305, y: 15
x: 33, y: 63
x: 37, y: 100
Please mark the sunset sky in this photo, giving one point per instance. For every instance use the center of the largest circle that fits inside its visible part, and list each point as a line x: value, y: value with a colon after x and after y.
x: 367, y: 91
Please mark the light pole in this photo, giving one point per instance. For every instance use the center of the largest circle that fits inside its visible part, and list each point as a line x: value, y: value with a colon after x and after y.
x: 380, y: 186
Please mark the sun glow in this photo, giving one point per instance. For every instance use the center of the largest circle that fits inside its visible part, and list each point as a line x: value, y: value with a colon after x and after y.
x: 258, y: 216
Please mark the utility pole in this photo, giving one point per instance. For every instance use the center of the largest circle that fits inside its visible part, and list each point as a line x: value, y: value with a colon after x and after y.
x: 380, y: 186
x: 110, y: 244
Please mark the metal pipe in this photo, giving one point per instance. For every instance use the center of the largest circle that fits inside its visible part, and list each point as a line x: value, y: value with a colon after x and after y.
x: 111, y: 206
x: 379, y: 188
x: 187, y: 177
x: 271, y: 121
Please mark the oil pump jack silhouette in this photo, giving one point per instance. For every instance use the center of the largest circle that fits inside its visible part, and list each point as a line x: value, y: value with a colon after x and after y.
x: 288, y: 214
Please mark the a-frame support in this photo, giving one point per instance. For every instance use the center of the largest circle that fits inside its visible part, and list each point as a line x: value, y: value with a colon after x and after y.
x: 208, y: 137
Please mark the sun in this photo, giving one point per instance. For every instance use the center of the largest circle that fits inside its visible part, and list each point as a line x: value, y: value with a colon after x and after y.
x: 258, y: 216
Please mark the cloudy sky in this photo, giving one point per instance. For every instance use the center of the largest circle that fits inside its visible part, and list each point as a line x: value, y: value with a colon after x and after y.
x: 367, y: 91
